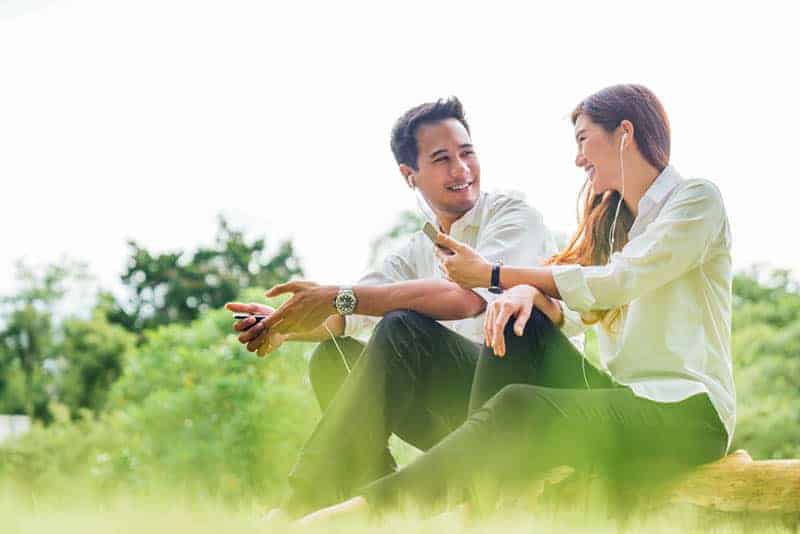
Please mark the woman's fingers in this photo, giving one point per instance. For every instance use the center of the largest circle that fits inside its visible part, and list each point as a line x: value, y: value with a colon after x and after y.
x: 498, y: 338
x: 522, y: 319
x: 488, y: 323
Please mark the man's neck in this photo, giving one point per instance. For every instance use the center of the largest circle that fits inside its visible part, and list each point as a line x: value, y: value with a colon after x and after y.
x: 446, y: 221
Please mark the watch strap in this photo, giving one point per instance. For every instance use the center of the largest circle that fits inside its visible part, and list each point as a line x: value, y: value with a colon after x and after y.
x: 494, y: 286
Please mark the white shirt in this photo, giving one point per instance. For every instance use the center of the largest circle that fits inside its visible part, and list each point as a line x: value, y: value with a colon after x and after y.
x: 500, y: 227
x: 675, y: 275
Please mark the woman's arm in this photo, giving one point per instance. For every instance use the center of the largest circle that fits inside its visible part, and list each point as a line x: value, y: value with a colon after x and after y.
x: 469, y: 269
x: 539, y: 277
x: 674, y: 243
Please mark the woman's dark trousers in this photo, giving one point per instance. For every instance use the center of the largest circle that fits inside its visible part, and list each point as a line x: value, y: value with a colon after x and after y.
x: 542, y: 406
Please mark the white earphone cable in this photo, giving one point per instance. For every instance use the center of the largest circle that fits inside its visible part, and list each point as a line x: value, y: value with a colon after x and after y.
x: 338, y: 348
x: 621, y: 197
x: 613, y: 231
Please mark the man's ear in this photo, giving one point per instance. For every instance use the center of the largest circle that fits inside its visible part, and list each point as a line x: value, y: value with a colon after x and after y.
x: 408, y: 175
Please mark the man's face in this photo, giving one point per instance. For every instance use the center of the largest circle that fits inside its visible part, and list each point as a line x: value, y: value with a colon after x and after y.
x: 448, y: 172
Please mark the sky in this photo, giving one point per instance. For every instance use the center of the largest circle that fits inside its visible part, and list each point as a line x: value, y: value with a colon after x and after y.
x: 145, y: 120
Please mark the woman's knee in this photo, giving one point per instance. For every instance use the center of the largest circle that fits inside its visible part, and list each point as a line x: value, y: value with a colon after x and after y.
x: 512, y: 398
x: 521, y: 404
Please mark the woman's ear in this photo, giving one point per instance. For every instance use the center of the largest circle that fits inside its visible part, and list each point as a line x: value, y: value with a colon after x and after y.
x: 408, y: 175
x: 626, y: 134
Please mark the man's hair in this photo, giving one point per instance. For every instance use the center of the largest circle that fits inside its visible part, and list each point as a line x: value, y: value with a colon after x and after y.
x: 404, y: 132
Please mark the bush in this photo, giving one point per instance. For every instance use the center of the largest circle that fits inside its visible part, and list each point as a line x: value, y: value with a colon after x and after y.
x: 192, y: 410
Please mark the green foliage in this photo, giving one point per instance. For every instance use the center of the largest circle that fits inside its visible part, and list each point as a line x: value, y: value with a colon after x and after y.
x: 178, y: 287
x: 92, y: 351
x: 43, y: 358
x: 766, y: 349
x: 192, y: 410
x: 27, y: 334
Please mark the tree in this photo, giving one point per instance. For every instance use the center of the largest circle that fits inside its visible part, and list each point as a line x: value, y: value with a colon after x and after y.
x: 93, y: 353
x: 766, y: 356
x: 27, y: 333
x: 178, y: 287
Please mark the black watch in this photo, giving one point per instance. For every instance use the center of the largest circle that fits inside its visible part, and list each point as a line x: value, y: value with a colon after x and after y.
x: 494, y: 287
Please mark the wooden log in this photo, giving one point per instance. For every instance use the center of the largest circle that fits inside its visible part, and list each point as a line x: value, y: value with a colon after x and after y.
x: 736, y: 483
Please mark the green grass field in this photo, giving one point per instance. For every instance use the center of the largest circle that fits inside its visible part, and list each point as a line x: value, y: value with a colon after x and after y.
x: 22, y: 513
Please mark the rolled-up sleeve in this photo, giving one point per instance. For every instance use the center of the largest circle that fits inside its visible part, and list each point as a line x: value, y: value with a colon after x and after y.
x: 395, y: 267
x: 673, y: 244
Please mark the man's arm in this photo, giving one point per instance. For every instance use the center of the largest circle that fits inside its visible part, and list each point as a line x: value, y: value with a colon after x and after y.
x: 306, y: 315
x: 312, y: 304
x: 439, y: 299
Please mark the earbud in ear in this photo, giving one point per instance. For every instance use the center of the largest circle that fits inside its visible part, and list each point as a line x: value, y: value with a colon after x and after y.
x: 411, y: 183
x: 622, y: 141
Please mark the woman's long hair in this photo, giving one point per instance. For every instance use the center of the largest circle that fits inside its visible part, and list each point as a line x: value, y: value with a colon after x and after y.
x: 590, y: 245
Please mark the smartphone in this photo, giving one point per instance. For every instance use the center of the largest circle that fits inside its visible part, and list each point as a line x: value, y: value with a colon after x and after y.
x: 240, y: 316
x: 430, y: 230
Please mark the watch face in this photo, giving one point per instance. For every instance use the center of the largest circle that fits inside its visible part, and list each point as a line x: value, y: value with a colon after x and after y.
x: 345, y: 303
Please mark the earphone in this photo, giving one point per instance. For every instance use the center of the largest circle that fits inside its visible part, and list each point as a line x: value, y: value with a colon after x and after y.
x: 621, y: 195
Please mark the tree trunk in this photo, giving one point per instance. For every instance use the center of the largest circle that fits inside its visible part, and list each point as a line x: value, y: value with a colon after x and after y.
x: 737, y: 483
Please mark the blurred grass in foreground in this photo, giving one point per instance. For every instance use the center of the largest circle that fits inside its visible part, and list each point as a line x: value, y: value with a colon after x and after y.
x: 169, y: 514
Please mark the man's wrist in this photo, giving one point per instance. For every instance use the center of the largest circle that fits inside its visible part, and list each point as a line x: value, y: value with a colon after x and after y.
x: 344, y: 300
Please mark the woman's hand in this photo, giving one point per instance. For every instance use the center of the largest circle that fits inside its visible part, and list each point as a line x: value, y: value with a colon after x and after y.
x: 464, y: 266
x: 518, y: 302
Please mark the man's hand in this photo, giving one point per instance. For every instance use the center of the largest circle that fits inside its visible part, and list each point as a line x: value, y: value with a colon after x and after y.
x: 305, y: 311
x: 253, y: 333
x: 464, y: 266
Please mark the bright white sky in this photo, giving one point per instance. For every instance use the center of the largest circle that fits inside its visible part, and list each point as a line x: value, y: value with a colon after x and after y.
x: 146, y: 119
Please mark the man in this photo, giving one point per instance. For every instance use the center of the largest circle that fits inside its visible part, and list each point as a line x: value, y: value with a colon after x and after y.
x: 414, y: 376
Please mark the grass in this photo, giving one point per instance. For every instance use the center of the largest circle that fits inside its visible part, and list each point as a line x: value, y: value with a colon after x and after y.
x: 27, y: 513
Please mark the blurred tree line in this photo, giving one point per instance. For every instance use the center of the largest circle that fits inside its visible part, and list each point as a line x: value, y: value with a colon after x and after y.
x: 152, y: 389
x: 74, y: 360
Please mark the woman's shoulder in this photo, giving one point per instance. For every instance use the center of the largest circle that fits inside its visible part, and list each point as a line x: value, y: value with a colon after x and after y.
x: 701, y: 190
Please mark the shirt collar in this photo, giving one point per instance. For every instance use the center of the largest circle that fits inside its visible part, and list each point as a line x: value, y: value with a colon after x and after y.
x: 470, y: 218
x: 659, y: 189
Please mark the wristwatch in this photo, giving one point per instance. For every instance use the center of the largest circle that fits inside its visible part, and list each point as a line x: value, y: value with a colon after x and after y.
x: 494, y: 286
x: 345, y: 301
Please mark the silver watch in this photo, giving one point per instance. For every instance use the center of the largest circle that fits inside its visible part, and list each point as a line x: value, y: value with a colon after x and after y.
x: 345, y: 301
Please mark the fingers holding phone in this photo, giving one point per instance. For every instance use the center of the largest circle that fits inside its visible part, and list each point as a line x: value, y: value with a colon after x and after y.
x: 249, y: 321
x: 433, y: 234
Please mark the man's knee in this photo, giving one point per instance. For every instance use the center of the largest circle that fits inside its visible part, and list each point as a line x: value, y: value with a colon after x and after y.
x: 326, y: 360
x: 535, y: 329
x: 401, y: 322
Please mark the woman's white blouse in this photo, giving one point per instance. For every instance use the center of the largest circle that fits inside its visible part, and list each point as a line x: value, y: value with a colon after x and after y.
x: 674, y: 274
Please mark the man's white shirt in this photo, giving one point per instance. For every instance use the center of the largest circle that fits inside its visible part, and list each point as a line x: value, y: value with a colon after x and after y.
x: 675, y: 276
x: 500, y: 227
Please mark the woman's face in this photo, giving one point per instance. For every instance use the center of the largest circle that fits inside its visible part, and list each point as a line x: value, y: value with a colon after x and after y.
x: 598, y: 154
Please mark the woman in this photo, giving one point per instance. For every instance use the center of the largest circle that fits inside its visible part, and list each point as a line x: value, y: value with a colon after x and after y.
x: 650, y: 268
